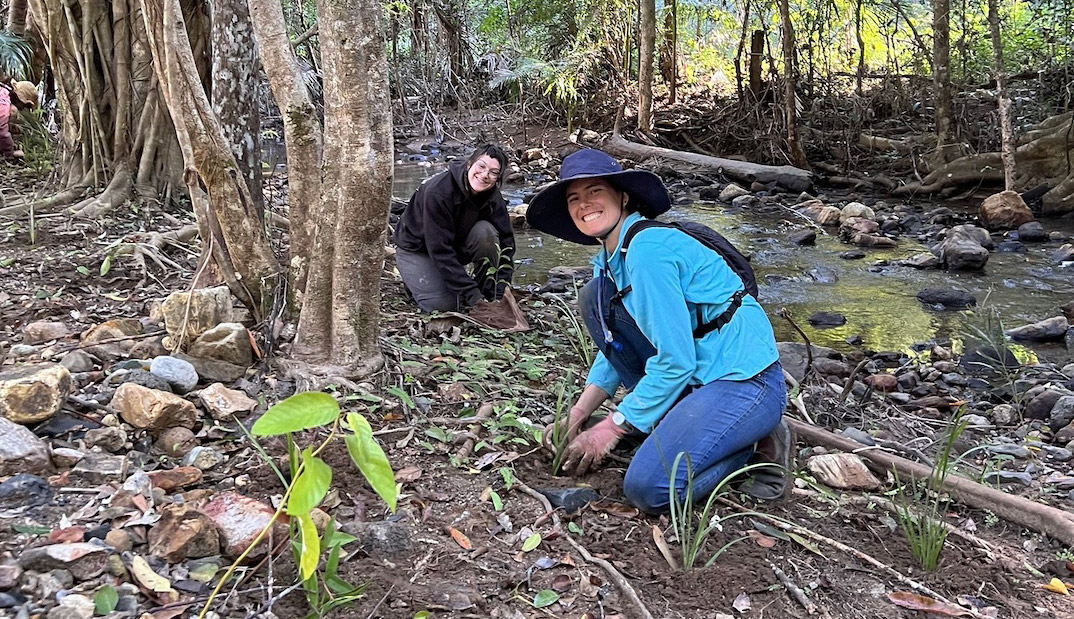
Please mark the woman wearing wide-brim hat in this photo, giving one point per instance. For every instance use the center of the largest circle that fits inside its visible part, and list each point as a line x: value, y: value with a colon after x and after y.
x: 717, y: 397
x: 12, y: 95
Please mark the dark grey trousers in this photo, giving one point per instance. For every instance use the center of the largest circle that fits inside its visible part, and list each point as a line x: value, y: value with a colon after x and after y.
x: 425, y: 283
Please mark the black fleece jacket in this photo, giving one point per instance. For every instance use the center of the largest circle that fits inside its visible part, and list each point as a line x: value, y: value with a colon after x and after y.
x: 438, y: 218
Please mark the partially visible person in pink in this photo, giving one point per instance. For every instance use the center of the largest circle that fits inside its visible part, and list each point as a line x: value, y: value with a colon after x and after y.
x: 13, y: 95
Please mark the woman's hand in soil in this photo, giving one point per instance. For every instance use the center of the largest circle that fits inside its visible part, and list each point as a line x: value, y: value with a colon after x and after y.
x: 588, y: 449
x: 570, y: 424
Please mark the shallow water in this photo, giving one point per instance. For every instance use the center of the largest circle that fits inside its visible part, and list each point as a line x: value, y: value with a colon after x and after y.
x: 879, y: 302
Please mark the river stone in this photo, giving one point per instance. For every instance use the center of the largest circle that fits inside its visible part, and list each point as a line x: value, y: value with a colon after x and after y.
x: 1064, y: 253
x: 857, y: 435
x: 1056, y: 454
x: 1040, y: 406
x: 21, y: 451
x: 141, y: 377
x: 1032, y: 232
x: 1008, y: 449
x: 856, y: 209
x: 203, y: 458
x: 153, y: 410
x: 203, y: 309
x: 33, y: 393
x: 843, y: 471
x: 73, y: 606
x: 884, y: 383
x: 823, y: 215
x: 24, y: 489
x: 854, y: 254
x: 922, y: 261
x: 40, y: 331
x: 240, y: 520
x: 831, y: 367
x: 1062, y: 414
x: 1004, y: 415
x: 964, y: 248
x: 747, y: 201
x: 732, y: 191
x: 949, y: 298
x: 176, y: 442
x: 183, y: 533
x: 222, y: 402
x: 179, y: 477
x: 984, y: 359
x: 1004, y: 211
x: 180, y: 374
x: 117, y: 328
x: 1011, y: 246
x: 77, y: 361
x: 111, y: 439
x: 84, y: 560
x: 229, y: 342
x: 804, y: 237
x: 827, y: 319
x: 381, y: 539
x: 856, y: 225
x: 96, y: 468
x: 1050, y: 329
x: 149, y: 348
x: 1007, y: 477
x: 822, y: 275
x: 212, y: 370
x: 793, y: 355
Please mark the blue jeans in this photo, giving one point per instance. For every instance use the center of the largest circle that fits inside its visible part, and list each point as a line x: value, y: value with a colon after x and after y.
x: 716, y: 425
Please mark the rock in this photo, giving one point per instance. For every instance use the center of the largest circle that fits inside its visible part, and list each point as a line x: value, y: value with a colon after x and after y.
x: 176, y: 442
x: 965, y: 248
x: 1032, y: 232
x: 65, y: 457
x: 1068, y: 311
x: 96, y: 469
x: 831, y: 367
x: 1047, y: 330
x: 1066, y: 436
x: 1004, y: 415
x: 9, y: 572
x: 562, y: 279
x: 22, y: 490
x: 228, y: 342
x: 922, y: 261
x: 33, y: 393
x: 732, y: 191
x: 1040, y: 406
x: 856, y: 225
x: 84, y: 560
x: 213, y: 371
x: 183, y: 533
x: 73, y: 606
x: 804, y: 237
x: 827, y: 319
x: 1007, y: 449
x: 977, y: 422
x: 109, y: 439
x: 842, y: 470
x: 202, y: 309
x: 856, y: 209
x: 884, y: 383
x: 747, y: 201
x: 793, y: 355
x: 854, y: 254
x: 710, y: 194
x: 984, y: 359
x: 1062, y: 414
x: 119, y: 540
x: 823, y: 215
x: 222, y: 402
x: 149, y: 348
x: 1011, y: 246
x: 180, y: 374
x: 1064, y: 254
x: 381, y: 539
x: 112, y: 329
x: 78, y: 361
x: 1056, y: 454
x: 41, y: 331
x: 862, y: 239
x: 1004, y: 211
x: 948, y: 298
x: 1007, y: 477
x: 173, y: 479
x: 141, y: 377
x: 239, y: 520
x: 153, y: 410
x: 21, y: 451
x: 203, y: 458
x: 822, y: 275
x: 857, y: 435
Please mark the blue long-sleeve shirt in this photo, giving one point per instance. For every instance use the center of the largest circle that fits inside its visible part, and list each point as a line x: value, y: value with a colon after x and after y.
x: 672, y: 275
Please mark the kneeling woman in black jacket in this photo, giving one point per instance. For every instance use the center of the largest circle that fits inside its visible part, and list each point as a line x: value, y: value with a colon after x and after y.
x: 455, y: 219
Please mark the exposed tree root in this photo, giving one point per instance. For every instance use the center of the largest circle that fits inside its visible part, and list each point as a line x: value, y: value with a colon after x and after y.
x: 310, y: 376
x: 118, y: 191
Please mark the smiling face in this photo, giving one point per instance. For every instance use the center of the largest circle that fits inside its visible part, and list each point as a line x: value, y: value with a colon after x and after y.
x: 483, y: 174
x: 595, y: 207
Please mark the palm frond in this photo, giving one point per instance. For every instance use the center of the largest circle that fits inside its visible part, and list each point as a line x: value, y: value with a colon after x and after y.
x: 15, y: 55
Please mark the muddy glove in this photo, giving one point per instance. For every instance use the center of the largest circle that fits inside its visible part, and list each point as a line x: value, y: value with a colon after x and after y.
x: 587, y: 450
x: 570, y: 424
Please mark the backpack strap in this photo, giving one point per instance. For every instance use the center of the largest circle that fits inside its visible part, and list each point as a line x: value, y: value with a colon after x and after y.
x: 702, y: 329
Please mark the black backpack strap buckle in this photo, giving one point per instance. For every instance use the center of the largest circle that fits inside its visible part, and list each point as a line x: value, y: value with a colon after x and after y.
x: 718, y: 323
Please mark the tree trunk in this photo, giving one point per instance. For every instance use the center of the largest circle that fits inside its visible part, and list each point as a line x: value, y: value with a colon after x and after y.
x: 647, y: 44
x: 302, y: 134
x: 16, y: 17
x: 790, y: 101
x: 941, y: 77
x: 231, y: 232
x: 340, y: 318
x: 741, y: 48
x: 756, y: 55
x: 234, y: 88
x: 861, y: 48
x: 1004, y: 101
x: 668, y: 61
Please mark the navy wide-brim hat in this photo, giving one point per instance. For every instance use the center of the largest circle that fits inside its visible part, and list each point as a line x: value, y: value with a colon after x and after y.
x: 548, y: 209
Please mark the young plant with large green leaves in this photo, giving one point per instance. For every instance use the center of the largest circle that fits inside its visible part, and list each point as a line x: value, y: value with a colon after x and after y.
x: 310, y: 481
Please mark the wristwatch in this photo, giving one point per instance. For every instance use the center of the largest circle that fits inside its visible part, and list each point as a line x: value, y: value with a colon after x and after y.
x: 620, y: 422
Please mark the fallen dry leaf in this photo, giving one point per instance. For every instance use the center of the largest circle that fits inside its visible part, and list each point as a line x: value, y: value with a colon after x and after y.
x: 68, y: 535
x: 157, y: 586
x: 662, y: 545
x: 761, y: 539
x: 408, y: 474
x: 561, y: 583
x: 460, y: 538
x: 1057, y: 586
x: 914, y: 601
x: 741, y: 603
x: 620, y: 510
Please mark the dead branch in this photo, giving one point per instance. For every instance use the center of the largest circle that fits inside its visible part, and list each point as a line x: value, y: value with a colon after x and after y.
x: 483, y: 415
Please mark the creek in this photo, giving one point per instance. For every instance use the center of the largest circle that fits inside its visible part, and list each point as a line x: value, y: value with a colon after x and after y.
x: 877, y: 297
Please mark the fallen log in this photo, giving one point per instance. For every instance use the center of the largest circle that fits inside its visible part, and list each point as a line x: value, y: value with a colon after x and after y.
x: 877, y: 143
x: 788, y: 177
x: 1053, y: 522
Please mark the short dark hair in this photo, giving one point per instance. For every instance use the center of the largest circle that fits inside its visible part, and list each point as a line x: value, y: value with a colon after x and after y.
x: 494, y: 152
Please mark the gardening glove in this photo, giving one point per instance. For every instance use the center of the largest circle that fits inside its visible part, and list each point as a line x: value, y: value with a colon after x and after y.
x: 587, y: 450
x: 570, y: 425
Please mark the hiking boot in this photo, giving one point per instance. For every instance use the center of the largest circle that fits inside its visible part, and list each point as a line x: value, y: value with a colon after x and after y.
x: 772, y: 483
